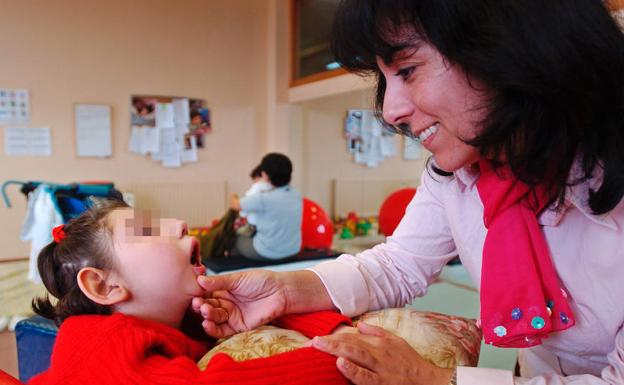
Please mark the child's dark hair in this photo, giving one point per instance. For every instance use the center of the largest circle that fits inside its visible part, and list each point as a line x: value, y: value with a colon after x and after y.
x: 87, y: 242
x: 256, y: 172
x: 278, y: 168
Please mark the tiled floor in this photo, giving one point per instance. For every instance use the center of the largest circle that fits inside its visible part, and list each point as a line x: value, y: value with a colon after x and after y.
x: 8, y: 353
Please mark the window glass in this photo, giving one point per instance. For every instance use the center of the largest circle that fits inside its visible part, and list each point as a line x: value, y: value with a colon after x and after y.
x: 313, y: 21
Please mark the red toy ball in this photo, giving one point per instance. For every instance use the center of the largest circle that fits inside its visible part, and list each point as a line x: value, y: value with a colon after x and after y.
x: 393, y: 209
x: 317, y: 230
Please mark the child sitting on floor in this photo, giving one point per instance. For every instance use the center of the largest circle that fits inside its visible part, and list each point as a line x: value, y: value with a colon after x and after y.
x: 124, y: 284
x: 260, y: 184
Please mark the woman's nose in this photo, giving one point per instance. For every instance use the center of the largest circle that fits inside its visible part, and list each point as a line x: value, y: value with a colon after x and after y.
x: 397, y: 106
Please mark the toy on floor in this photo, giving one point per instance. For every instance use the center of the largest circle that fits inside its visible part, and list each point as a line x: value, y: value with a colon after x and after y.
x: 362, y: 227
x: 317, y: 229
x: 351, y: 222
x: 354, y: 226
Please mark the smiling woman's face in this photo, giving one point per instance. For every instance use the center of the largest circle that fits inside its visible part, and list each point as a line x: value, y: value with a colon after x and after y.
x: 437, y: 101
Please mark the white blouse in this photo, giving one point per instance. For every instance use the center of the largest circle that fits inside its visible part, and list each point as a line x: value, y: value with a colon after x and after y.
x: 445, y: 219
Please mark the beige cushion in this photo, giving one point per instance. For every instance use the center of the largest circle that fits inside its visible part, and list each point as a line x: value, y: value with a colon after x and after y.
x: 447, y: 341
x: 444, y: 340
x: 264, y: 341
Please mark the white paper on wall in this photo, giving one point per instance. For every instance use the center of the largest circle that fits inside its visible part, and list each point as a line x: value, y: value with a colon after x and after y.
x: 182, y: 112
x: 144, y: 140
x: 93, y: 130
x: 150, y: 139
x: 22, y: 141
x: 388, y: 145
x: 134, y: 145
x: 14, y: 106
x: 189, y: 149
x: 170, y: 151
x: 165, y: 115
x: 159, y: 155
x: 412, y: 149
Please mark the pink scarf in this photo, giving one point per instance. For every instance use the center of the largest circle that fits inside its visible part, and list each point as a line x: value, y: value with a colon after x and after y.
x: 522, y: 300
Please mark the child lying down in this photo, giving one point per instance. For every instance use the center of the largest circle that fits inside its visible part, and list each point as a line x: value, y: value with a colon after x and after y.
x: 123, y: 285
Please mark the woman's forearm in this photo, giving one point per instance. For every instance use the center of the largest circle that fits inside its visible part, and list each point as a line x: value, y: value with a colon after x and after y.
x: 304, y: 292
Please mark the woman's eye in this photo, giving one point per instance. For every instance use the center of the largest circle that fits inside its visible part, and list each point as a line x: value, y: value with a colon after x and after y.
x: 406, y: 72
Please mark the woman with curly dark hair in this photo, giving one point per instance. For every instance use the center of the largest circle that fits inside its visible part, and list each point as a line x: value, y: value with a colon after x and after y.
x: 521, y: 103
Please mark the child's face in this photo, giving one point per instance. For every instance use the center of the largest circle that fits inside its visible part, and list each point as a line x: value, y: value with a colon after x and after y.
x: 157, y: 260
x: 196, y: 120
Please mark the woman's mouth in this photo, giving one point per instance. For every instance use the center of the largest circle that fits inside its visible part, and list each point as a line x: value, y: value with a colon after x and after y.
x: 428, y: 133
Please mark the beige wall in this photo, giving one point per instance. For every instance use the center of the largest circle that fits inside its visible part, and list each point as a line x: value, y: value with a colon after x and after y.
x: 325, y: 158
x: 233, y: 53
x: 87, y: 51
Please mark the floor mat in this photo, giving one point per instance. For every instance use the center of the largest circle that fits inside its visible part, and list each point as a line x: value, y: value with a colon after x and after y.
x: 236, y: 263
x: 16, y: 290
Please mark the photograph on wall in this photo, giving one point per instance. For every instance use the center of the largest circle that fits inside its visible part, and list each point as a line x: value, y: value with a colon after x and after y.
x: 199, y: 120
x: 352, y: 130
x: 170, y: 129
x: 143, y: 111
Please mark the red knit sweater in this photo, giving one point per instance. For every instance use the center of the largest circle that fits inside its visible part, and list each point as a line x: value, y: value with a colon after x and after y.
x: 121, y: 349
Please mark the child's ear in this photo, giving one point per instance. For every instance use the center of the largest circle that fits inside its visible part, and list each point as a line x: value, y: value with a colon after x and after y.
x: 96, y: 285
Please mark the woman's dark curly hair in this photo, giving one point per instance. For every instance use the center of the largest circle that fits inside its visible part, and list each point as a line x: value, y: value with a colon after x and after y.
x: 88, y: 242
x: 555, y: 70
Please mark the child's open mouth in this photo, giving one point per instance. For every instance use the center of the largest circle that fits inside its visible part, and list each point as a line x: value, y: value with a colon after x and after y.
x: 195, y: 259
x: 195, y: 255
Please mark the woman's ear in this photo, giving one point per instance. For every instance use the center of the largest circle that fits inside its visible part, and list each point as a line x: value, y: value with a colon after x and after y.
x: 97, y: 286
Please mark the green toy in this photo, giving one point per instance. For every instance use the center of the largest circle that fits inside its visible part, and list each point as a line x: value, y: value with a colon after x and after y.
x: 346, y: 233
x: 362, y: 227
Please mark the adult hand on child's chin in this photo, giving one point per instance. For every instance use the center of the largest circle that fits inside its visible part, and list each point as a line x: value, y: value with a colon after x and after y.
x: 376, y: 356
x: 239, y: 302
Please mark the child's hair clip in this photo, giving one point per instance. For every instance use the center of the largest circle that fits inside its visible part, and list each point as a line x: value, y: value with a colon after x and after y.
x: 58, y: 233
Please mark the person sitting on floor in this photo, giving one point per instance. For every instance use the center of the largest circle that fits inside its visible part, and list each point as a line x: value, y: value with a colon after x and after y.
x: 277, y: 214
x: 260, y: 184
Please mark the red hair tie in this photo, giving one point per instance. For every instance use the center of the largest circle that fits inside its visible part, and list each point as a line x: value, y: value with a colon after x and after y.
x: 58, y: 233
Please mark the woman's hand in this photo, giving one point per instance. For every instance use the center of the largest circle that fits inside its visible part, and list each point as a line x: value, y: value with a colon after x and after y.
x: 239, y: 302
x: 242, y: 301
x: 376, y: 356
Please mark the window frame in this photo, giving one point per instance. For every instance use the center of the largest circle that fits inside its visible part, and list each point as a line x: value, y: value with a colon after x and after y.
x: 294, y: 49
